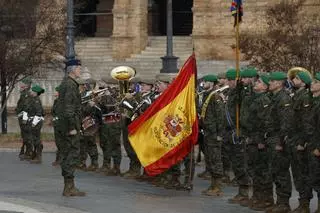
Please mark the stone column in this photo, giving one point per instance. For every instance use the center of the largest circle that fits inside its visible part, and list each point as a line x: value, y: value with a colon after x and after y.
x: 121, y: 36
x: 139, y: 24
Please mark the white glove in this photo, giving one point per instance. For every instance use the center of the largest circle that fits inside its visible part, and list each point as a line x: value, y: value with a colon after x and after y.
x: 36, y: 120
x: 24, y: 117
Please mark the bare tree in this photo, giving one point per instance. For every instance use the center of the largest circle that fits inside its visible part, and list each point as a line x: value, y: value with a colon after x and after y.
x: 31, y: 36
x: 291, y: 38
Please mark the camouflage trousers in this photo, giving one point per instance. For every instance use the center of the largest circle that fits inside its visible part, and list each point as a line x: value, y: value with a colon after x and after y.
x: 259, y: 170
x: 110, y: 143
x: 69, y: 152
x: 314, y: 172
x: 88, y: 146
x: 212, y: 151
x: 58, y: 141
x: 35, y: 139
x: 237, y: 155
x: 135, y: 164
x: 300, y: 173
x: 26, y: 135
x: 280, y: 164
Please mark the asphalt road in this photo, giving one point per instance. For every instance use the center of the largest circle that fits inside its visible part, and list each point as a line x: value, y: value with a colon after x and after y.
x: 31, y: 188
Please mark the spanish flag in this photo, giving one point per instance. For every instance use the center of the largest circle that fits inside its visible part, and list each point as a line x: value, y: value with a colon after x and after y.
x: 166, y: 132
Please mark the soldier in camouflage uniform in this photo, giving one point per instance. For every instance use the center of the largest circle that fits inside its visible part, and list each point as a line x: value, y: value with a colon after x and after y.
x: 211, y: 117
x: 281, y: 115
x: 259, y: 152
x: 298, y: 140
x: 311, y: 123
x: 88, y: 144
x: 55, y: 118
x: 36, y: 113
x: 237, y: 149
x: 248, y: 77
x: 23, y: 102
x: 68, y: 126
x: 144, y: 100
x: 110, y: 131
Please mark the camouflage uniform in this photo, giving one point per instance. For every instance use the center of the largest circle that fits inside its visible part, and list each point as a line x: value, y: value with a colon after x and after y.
x: 311, y: 123
x: 299, y: 166
x: 26, y: 135
x: 88, y: 144
x: 259, y: 159
x: 110, y: 134
x: 237, y: 149
x: 280, y: 115
x: 35, y: 109
x: 69, y: 113
x: 134, y: 164
x: 57, y: 138
x: 212, y: 118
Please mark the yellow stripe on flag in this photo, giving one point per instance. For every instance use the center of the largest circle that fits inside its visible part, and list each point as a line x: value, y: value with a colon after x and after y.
x: 167, y: 128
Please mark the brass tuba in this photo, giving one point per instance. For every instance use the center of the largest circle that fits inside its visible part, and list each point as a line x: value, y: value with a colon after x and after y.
x: 293, y: 72
x: 123, y: 74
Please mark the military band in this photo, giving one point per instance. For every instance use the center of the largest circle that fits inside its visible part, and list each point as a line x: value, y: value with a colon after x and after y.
x: 279, y: 130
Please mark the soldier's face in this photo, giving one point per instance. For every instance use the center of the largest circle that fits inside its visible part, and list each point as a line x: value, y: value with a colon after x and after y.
x: 56, y: 94
x: 33, y: 94
x: 162, y: 86
x: 222, y: 81
x: 23, y: 86
x: 259, y: 86
x: 297, y: 82
x: 77, y: 71
x: 315, y: 86
x: 145, y: 88
x: 274, y: 85
x: 207, y: 84
x: 232, y: 83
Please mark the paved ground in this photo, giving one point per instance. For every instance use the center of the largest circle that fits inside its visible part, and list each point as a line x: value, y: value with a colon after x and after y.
x: 30, y: 188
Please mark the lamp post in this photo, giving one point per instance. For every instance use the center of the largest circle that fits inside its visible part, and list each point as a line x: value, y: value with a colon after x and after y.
x: 169, y: 61
x: 70, y: 53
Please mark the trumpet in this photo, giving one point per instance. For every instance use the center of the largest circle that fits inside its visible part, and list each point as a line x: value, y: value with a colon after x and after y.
x: 93, y: 94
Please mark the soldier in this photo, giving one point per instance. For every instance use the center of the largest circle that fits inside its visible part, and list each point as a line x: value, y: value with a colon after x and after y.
x: 248, y: 77
x: 259, y: 152
x: 311, y: 122
x: 36, y: 113
x: 55, y: 118
x: 110, y: 131
x: 237, y: 149
x: 91, y: 113
x: 225, y: 148
x: 211, y: 117
x: 68, y: 126
x: 280, y: 114
x: 299, y: 164
x: 26, y: 148
x: 144, y: 100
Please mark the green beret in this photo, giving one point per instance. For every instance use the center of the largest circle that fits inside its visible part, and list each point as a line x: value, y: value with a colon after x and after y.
x: 231, y: 74
x: 304, y: 77
x: 27, y: 80
x: 278, y: 76
x: 222, y: 75
x: 37, y: 89
x: 249, y: 73
x: 57, y: 88
x: 317, y: 76
x: 265, y: 79
x: 210, y: 78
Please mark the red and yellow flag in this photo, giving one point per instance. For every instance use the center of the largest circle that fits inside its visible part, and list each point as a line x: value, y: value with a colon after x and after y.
x: 166, y: 132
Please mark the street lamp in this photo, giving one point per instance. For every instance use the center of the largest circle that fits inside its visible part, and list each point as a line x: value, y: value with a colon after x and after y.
x: 70, y: 53
x: 169, y: 62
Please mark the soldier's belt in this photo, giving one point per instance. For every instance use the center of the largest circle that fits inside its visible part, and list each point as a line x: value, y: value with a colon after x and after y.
x: 111, y: 118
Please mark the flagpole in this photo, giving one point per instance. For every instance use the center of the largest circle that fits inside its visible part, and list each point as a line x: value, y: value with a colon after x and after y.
x: 238, y: 67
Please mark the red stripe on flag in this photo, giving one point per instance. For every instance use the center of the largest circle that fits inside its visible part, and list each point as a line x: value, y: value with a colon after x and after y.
x: 170, y: 94
x: 175, y: 155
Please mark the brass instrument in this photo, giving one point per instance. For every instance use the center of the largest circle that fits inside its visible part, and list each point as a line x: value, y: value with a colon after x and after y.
x: 293, y: 72
x: 123, y: 74
x: 147, y: 100
x: 93, y: 94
